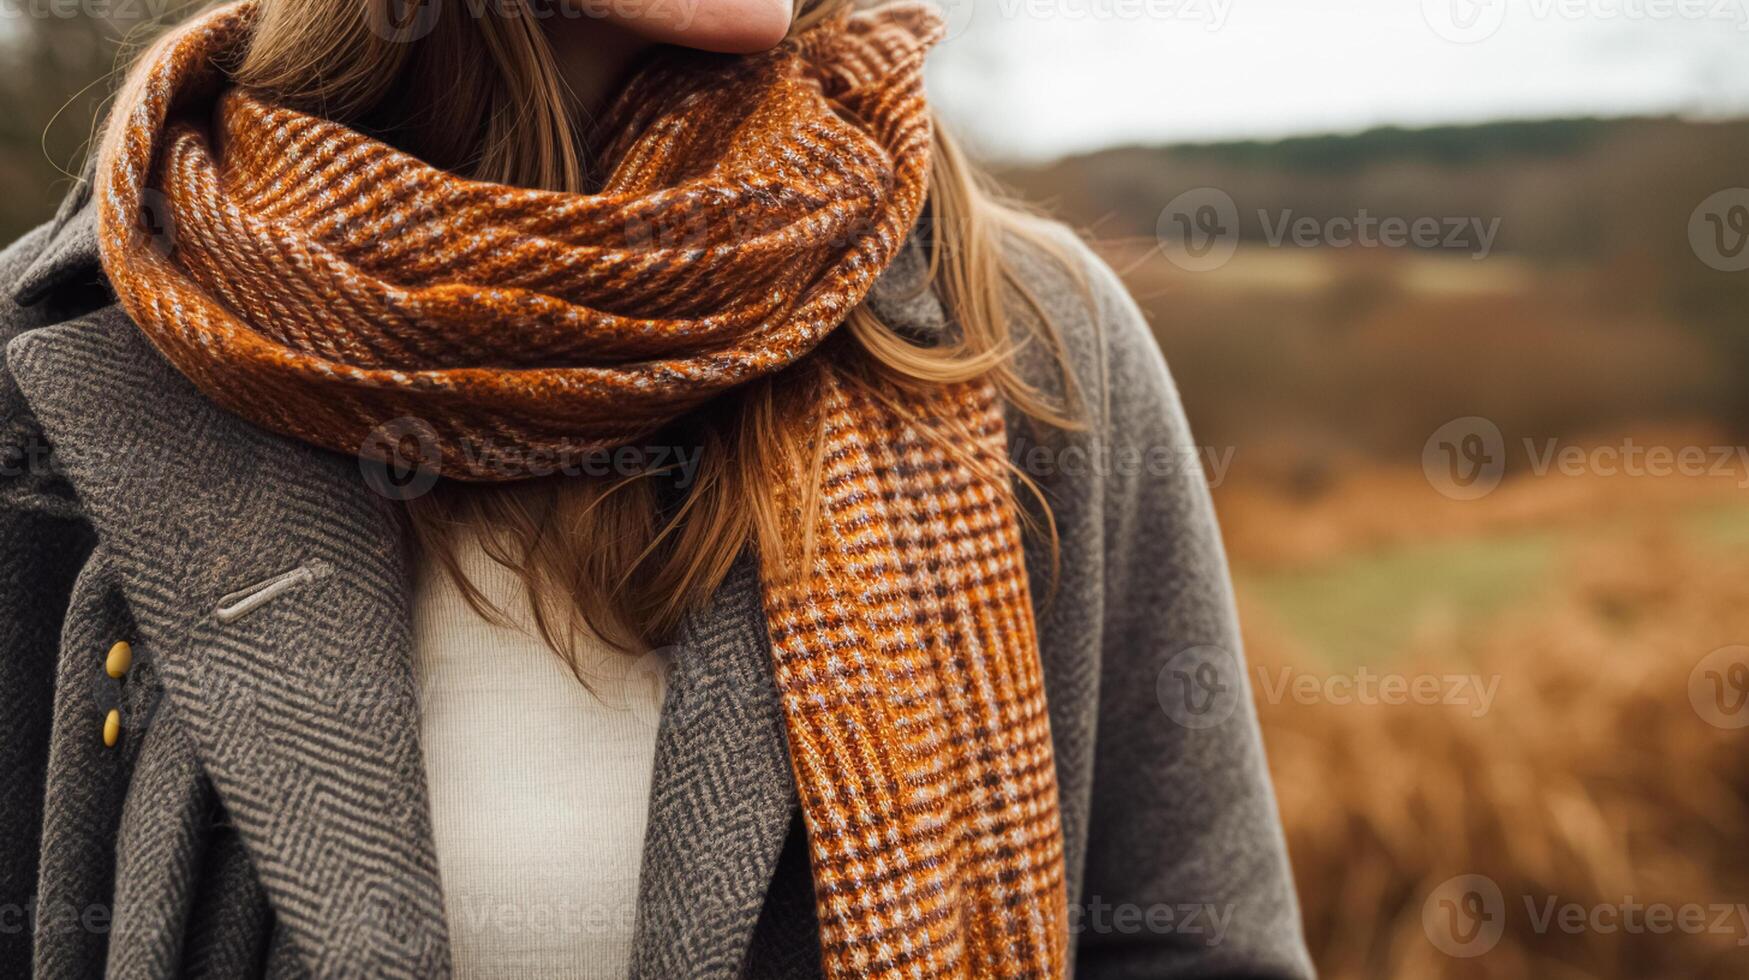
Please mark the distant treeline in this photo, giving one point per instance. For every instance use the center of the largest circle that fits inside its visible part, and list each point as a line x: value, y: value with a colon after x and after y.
x: 1560, y: 188
x: 1445, y: 145
x: 1605, y: 217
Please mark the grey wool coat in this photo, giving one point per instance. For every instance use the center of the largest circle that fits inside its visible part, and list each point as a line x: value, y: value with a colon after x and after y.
x: 264, y: 811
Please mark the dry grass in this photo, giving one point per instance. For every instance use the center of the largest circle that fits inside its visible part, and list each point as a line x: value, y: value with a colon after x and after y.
x: 1592, y: 779
x: 1271, y: 523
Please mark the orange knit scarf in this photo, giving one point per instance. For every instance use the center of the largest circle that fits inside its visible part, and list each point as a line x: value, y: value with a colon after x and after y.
x: 319, y: 283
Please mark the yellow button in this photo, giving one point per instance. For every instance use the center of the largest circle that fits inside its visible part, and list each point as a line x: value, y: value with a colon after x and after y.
x: 121, y: 657
x: 112, y: 727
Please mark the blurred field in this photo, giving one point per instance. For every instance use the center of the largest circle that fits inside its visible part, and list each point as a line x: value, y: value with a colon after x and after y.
x: 1591, y: 779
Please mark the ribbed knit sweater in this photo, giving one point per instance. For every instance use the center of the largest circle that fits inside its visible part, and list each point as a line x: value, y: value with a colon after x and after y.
x: 539, y: 786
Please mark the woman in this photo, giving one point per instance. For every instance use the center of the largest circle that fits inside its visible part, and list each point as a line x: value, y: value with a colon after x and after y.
x: 407, y: 395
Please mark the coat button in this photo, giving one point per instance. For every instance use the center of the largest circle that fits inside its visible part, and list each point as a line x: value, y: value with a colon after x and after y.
x: 112, y: 728
x: 121, y: 657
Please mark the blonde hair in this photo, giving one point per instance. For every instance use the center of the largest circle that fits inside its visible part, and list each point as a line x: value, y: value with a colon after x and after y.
x: 625, y: 557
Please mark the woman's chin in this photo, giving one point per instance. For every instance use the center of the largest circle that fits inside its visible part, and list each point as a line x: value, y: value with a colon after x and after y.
x: 724, y: 26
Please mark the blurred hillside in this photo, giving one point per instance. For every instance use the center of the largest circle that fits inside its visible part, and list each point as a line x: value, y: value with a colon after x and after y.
x: 1588, y: 312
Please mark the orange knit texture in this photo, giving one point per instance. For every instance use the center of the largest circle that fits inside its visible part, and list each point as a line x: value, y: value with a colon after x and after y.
x: 908, y: 669
x: 322, y: 284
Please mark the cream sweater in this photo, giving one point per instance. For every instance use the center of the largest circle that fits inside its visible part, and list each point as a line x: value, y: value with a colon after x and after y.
x: 539, y: 788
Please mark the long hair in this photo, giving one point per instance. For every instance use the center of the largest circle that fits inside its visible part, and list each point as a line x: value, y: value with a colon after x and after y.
x: 624, y: 557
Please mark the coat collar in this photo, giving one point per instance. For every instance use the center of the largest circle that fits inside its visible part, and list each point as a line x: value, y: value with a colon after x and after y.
x: 303, y: 709
x: 70, y: 253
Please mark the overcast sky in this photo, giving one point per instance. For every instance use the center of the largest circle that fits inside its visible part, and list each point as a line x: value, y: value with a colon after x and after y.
x: 1039, y: 78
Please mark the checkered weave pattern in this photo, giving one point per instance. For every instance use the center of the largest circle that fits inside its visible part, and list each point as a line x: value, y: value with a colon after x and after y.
x: 322, y: 284
x: 319, y: 283
x: 908, y: 669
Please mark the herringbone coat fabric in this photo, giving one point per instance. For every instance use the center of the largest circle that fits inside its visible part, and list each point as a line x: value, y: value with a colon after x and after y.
x: 322, y: 284
x: 264, y: 812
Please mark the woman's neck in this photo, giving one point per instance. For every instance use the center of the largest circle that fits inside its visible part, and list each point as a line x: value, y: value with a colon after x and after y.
x: 593, y: 55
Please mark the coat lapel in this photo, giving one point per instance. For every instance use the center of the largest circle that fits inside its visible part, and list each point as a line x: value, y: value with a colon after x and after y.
x: 721, y: 798
x: 302, y: 710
